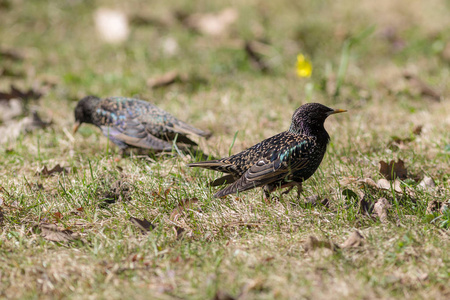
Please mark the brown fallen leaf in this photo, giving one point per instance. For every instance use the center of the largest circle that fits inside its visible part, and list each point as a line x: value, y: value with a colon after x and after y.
x: 57, y: 216
x: 144, y: 225
x: 165, y: 79
x: 182, y: 207
x: 368, y: 182
x: 52, y: 233
x: 417, y: 130
x: 384, y: 184
x: 354, y: 240
x: 12, y: 54
x: 2, y: 216
x: 381, y: 208
x: 255, y: 57
x: 55, y: 170
x: 14, y: 129
x: 424, y: 89
x: 393, y: 169
x: 313, y: 243
x: 427, y: 183
x: 16, y: 93
x: 212, y: 24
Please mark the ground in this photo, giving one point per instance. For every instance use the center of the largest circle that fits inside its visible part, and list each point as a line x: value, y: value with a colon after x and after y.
x: 72, y: 233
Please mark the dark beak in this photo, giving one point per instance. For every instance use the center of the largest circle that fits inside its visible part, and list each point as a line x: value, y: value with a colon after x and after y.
x: 75, y: 126
x: 336, y: 111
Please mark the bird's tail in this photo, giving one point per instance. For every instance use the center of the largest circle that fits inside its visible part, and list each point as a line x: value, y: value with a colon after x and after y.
x: 215, y: 165
x: 185, y: 128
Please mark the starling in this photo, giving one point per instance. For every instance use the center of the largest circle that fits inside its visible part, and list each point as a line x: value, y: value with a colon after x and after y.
x: 136, y: 123
x: 283, y: 160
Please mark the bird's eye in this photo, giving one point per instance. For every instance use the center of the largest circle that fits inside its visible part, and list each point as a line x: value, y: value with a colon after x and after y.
x: 260, y: 163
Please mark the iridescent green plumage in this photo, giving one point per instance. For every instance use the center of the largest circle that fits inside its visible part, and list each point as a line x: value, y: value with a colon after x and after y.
x: 284, y: 160
x: 136, y: 123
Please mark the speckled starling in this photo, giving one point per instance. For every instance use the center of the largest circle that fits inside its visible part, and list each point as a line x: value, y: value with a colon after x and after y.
x: 284, y: 160
x: 134, y: 123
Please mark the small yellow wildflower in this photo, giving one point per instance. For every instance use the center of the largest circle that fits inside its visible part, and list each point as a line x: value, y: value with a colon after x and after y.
x: 304, y: 66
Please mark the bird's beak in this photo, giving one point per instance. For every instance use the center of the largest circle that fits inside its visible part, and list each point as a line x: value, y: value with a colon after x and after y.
x: 336, y: 111
x: 75, y: 126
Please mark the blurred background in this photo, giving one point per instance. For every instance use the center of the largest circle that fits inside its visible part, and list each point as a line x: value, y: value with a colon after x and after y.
x: 227, y: 65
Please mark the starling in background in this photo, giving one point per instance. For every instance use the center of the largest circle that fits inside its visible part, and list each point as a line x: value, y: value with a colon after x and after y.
x: 134, y: 123
x: 284, y: 160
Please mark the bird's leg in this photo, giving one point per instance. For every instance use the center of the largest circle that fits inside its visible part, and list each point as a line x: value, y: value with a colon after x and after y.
x: 266, y: 190
x: 288, y: 190
x: 299, y: 190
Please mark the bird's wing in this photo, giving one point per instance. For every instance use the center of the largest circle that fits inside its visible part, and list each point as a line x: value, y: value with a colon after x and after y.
x: 163, y: 125
x: 135, y: 134
x: 273, y: 168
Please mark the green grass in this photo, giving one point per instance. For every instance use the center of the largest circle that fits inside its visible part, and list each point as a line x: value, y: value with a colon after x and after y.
x: 241, y: 245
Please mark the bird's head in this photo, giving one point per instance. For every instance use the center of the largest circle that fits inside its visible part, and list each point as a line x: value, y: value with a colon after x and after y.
x: 311, y: 116
x: 84, y: 111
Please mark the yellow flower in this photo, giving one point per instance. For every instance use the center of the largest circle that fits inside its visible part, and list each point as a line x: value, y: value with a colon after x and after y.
x: 304, y: 66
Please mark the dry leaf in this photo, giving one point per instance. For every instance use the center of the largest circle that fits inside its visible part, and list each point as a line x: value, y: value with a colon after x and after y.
x: 255, y: 57
x: 212, y: 24
x: 12, y: 54
x: 165, y: 79
x: 417, y: 130
x: 56, y: 169
x: 52, y: 233
x: 425, y: 89
x: 354, y: 240
x: 369, y: 182
x: 182, y: 207
x: 14, y: 129
x: 313, y: 243
x: 427, y: 183
x: 144, y: 225
x: 382, y: 208
x: 16, y: 93
x: 393, y: 169
x: 58, y: 215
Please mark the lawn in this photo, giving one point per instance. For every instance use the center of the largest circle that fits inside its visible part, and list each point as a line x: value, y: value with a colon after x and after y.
x: 144, y: 226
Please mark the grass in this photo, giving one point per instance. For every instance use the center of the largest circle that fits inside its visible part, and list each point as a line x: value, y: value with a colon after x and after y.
x: 242, y: 245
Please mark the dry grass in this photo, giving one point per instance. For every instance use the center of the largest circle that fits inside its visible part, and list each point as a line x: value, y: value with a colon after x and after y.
x: 242, y: 245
